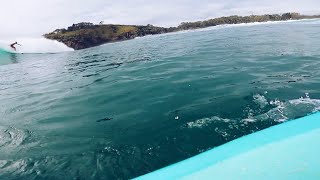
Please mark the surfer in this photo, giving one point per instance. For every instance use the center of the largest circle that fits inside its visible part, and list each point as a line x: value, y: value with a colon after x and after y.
x: 13, y: 45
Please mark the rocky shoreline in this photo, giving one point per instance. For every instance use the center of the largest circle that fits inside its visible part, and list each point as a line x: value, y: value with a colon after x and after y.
x: 85, y: 35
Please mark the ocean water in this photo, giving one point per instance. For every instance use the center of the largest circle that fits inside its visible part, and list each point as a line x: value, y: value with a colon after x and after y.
x: 124, y: 109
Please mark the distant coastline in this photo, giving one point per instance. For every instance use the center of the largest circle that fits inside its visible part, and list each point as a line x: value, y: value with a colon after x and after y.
x: 85, y: 35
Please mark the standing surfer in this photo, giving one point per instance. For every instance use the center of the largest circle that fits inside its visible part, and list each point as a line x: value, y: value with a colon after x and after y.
x: 13, y: 45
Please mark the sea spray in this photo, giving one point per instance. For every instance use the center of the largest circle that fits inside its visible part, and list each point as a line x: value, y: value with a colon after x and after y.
x: 34, y: 45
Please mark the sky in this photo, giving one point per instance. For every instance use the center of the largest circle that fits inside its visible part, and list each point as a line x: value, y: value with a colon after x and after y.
x: 36, y: 17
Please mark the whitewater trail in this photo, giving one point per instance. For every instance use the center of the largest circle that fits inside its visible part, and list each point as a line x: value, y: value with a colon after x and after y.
x: 34, y: 45
x: 282, y: 111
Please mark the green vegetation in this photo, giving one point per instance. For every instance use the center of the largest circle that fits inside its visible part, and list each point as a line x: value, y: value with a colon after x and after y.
x: 85, y: 35
x: 243, y: 19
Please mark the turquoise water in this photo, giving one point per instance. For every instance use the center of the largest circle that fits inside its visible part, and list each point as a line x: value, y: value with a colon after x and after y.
x: 121, y: 110
x: 285, y: 151
x: 6, y: 57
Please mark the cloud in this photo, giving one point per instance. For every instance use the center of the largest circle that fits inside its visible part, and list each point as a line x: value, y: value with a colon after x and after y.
x: 35, y: 17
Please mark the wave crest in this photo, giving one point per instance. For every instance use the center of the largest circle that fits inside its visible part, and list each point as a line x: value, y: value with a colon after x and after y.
x: 34, y: 45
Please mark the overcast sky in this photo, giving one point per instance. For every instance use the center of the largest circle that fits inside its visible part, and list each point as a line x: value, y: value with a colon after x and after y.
x: 35, y: 17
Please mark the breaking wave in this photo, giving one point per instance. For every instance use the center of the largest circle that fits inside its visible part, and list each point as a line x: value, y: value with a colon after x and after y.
x: 33, y: 46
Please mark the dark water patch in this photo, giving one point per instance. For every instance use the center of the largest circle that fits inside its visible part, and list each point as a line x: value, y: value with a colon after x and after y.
x: 104, y: 119
x: 140, y: 60
x: 101, y: 79
x: 93, y: 56
x: 112, y: 64
x: 89, y: 75
x: 92, y: 83
x: 87, y: 62
x: 291, y: 81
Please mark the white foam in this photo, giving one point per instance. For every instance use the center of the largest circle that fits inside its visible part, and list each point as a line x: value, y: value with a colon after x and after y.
x: 310, y: 21
x: 260, y: 100
x: 35, y: 45
x: 200, y: 123
x: 205, y: 122
x: 313, y: 103
x: 282, y: 111
x: 290, y: 109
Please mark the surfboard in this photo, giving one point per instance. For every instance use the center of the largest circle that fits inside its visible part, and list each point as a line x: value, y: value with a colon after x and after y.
x: 287, y: 151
